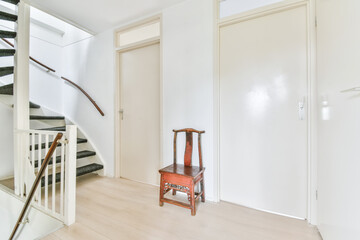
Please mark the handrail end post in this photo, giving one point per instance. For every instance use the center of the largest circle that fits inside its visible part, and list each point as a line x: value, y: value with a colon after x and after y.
x: 70, y: 175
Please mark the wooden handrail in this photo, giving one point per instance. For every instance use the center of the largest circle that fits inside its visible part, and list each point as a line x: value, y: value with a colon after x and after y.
x: 36, y: 184
x: 69, y: 81
x: 31, y: 58
x: 85, y: 93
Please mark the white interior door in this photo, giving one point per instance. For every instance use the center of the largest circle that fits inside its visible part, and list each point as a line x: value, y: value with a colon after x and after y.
x: 338, y: 54
x: 140, y: 120
x: 263, y: 129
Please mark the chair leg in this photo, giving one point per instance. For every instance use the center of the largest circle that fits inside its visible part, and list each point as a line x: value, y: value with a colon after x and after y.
x: 161, y: 203
x: 202, y: 184
x: 173, y: 192
x: 192, y: 200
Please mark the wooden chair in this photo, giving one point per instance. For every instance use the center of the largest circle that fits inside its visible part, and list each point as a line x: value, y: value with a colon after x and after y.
x: 184, y: 177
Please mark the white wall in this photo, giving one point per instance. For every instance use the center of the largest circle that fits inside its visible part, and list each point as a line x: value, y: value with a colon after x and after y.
x: 6, y: 141
x: 339, y: 119
x: 231, y: 7
x: 188, y: 79
x: 46, y: 88
x: 187, y: 83
x: 90, y: 63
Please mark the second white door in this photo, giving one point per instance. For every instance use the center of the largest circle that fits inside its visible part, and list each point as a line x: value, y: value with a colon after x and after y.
x: 140, y: 117
x: 263, y: 130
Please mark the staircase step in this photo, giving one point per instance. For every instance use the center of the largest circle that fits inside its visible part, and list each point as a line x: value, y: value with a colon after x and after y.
x: 6, y: 71
x: 7, y: 52
x: 56, y: 129
x: 39, y: 117
x: 8, y: 16
x: 33, y: 105
x: 36, y: 147
x: 79, y: 155
x: 16, y: 2
x: 7, y: 34
x: 80, y: 171
x: 7, y: 89
x: 88, y: 169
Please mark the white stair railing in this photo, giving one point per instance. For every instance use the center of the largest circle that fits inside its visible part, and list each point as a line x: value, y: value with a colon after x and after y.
x: 56, y: 194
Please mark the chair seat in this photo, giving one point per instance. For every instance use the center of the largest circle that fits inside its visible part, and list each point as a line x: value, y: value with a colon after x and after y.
x: 181, y: 169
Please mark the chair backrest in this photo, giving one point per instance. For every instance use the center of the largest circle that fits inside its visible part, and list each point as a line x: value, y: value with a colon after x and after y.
x: 189, y: 145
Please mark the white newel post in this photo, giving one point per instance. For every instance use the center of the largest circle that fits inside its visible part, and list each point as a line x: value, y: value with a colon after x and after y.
x: 70, y: 175
x: 21, y: 95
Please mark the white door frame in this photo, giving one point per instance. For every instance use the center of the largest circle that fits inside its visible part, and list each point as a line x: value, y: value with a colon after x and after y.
x: 311, y: 92
x: 118, y: 51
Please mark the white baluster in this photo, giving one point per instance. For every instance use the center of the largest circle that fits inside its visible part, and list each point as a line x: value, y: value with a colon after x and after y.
x: 62, y: 169
x: 33, y: 151
x: 46, y: 173
x: 39, y: 164
x: 53, y: 180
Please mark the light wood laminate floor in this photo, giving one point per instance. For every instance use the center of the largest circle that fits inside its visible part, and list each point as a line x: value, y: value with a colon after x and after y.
x: 121, y: 209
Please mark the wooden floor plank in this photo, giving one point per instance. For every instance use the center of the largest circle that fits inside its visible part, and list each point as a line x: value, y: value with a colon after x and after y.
x: 121, y: 209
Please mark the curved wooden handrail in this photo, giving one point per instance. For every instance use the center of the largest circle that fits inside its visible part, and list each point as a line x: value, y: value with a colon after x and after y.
x: 85, y: 93
x: 36, y: 183
x: 69, y: 81
x: 31, y: 58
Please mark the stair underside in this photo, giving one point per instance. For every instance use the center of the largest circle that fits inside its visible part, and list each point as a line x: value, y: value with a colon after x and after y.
x: 8, y: 16
x: 16, y: 2
x: 79, y: 155
x: 7, y: 34
x: 43, y: 145
x: 80, y: 171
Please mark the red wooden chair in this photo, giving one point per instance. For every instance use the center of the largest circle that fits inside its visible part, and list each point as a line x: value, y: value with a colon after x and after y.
x: 184, y: 177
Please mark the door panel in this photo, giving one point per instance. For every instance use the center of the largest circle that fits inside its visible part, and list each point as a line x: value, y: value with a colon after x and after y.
x: 338, y: 55
x: 140, y: 124
x: 263, y: 141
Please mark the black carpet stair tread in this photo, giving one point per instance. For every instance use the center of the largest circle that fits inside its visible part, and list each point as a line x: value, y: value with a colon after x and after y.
x: 33, y: 105
x: 7, y: 89
x: 7, y: 34
x: 8, y: 16
x: 16, y: 2
x: 56, y: 129
x: 80, y: 171
x: 36, y: 147
x: 40, y: 117
x: 7, y: 52
x: 6, y: 70
x: 79, y: 155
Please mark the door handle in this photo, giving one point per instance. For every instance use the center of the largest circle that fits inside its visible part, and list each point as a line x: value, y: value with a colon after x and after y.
x: 301, y: 109
x: 121, y: 111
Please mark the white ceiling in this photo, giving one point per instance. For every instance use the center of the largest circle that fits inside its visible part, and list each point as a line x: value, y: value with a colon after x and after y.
x: 99, y: 15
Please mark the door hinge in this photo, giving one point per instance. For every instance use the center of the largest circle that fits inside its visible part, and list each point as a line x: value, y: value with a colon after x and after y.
x: 316, y: 194
x: 316, y: 22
